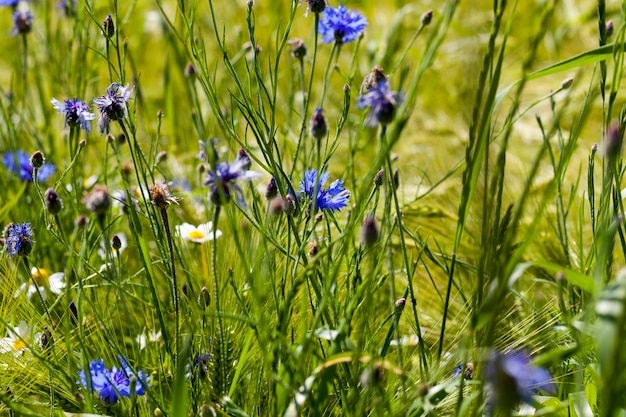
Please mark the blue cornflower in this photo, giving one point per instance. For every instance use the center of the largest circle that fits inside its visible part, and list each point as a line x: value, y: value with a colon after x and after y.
x: 513, y: 378
x: 199, y: 366
x: 19, y: 163
x: 382, y: 103
x: 111, y: 385
x: 335, y: 197
x: 22, y: 22
x: 112, y: 105
x: 18, y: 239
x: 9, y: 3
x: 222, y: 180
x: 339, y: 24
x: 76, y: 113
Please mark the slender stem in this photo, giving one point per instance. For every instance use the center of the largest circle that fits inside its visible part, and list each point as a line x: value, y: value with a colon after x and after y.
x: 166, y: 226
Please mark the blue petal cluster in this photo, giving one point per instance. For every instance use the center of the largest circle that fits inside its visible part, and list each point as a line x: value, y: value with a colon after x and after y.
x: 341, y: 25
x: 513, y: 378
x: 18, y: 239
x: 382, y: 103
x: 19, y: 163
x: 112, y: 384
x: 22, y: 22
x: 9, y: 3
x: 112, y: 105
x: 333, y: 198
x: 76, y: 113
x: 222, y: 181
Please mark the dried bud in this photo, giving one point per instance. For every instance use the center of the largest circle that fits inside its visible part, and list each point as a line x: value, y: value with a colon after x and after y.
x: 369, y: 231
x: 272, y: 189
x: 298, y: 49
x: 37, y: 160
x: 98, y: 201
x: 372, y: 79
x: 108, y: 27
x: 204, y: 298
x: 379, y: 177
x: 427, y: 18
x: 54, y: 204
x: 161, y: 197
x: 319, y: 128
x: 191, y: 71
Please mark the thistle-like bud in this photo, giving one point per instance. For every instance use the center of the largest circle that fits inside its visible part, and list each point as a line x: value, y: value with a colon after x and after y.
x: 298, y: 48
x: 191, y: 71
x: 369, y: 231
x: 108, y: 26
x: 116, y: 242
x: 319, y: 128
x: 379, y: 177
x: 98, y: 201
x: 121, y: 139
x: 204, y: 298
x: 160, y: 157
x: 54, y: 204
x: 161, y: 197
x: 37, y: 160
x: 272, y: 190
x: 80, y: 221
x: 427, y: 18
x: 609, y: 28
x: 567, y: 83
x: 613, y: 141
x: 316, y: 6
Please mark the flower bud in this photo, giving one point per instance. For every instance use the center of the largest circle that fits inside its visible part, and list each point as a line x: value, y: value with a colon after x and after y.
x: 108, y: 26
x: 316, y: 6
x: 567, y: 83
x: 98, y: 201
x: 609, y: 28
x: 45, y: 339
x: 191, y: 71
x: 204, y: 298
x: 116, y: 242
x: 369, y: 231
x: 298, y: 49
x: 378, y: 178
x: 289, y: 205
x: 276, y: 206
x: 272, y: 189
x: 54, y: 204
x: 37, y: 160
x: 319, y: 128
x: 427, y: 18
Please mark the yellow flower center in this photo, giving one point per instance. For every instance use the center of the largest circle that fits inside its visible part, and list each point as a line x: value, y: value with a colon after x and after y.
x: 196, y: 234
x: 40, y: 276
x: 18, y: 344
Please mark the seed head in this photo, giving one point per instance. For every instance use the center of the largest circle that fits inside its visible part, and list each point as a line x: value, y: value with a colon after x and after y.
x: 161, y: 197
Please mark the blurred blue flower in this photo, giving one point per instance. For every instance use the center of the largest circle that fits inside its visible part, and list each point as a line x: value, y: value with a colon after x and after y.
x: 19, y: 163
x: 112, y: 105
x: 111, y: 385
x: 18, y: 239
x: 199, y: 366
x: 222, y: 180
x: 339, y: 24
x: 333, y: 198
x: 76, y: 113
x: 22, y: 22
x: 382, y: 103
x: 513, y: 378
x: 9, y: 3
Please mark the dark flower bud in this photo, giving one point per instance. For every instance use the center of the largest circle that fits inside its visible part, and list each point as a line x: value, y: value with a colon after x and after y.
x: 319, y: 217
x: 109, y: 138
x: 98, y: 201
x: 80, y: 221
x: 54, y: 204
x: 400, y: 303
x: 319, y: 128
x: 427, y: 18
x: 22, y: 23
x: 121, y: 139
x: 298, y: 49
x: 316, y: 6
x: 45, y: 339
x: 116, y: 242
x: 369, y: 231
x: 37, y: 160
x: 613, y: 141
x: 378, y: 178
x: 396, y: 179
x: 191, y: 71
x: 186, y: 290
x: 314, y: 249
x: 272, y: 189
x: 82, y: 143
x: 289, y: 205
x: 422, y: 390
x: 204, y: 298
x: 567, y: 83
x: 609, y: 28
x: 108, y: 26
x: 73, y: 312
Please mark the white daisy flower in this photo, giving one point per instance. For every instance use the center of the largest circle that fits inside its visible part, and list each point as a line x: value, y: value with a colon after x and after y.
x: 45, y: 281
x: 201, y: 234
x: 18, y: 339
x: 152, y: 337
